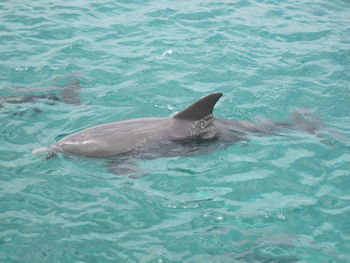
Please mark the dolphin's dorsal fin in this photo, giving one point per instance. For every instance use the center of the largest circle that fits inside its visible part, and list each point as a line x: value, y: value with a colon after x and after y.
x: 200, y: 108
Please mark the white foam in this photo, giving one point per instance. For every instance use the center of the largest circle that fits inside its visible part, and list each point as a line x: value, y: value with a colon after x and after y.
x: 168, y: 52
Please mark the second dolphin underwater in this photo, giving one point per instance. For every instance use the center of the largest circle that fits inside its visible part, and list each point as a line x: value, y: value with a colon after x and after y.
x: 68, y: 94
x: 191, y: 131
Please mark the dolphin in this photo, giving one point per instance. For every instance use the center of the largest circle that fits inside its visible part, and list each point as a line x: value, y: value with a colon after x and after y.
x: 69, y: 94
x: 193, y: 130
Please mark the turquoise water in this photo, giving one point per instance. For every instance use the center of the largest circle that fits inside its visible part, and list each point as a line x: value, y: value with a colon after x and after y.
x: 274, y: 199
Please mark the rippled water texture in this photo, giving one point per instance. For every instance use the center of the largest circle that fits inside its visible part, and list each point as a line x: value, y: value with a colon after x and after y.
x: 272, y: 199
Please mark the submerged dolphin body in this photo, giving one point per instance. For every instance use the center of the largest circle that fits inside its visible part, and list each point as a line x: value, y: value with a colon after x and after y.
x: 193, y: 130
x: 68, y: 94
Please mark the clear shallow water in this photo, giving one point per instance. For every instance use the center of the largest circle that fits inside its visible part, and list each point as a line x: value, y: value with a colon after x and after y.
x: 277, y: 199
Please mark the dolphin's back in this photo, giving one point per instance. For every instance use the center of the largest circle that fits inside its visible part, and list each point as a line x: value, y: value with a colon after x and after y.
x: 115, y: 138
x: 144, y: 135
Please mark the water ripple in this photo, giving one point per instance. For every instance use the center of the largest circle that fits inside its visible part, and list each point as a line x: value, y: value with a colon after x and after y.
x: 272, y: 199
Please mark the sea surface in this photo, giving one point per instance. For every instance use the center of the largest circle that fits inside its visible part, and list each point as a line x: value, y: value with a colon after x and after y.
x: 271, y: 199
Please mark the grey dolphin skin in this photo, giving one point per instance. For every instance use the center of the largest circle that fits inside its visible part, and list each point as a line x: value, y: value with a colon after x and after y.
x: 193, y: 130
